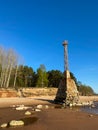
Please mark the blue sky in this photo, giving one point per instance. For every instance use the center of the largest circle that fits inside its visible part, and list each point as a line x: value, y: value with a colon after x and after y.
x: 37, y: 28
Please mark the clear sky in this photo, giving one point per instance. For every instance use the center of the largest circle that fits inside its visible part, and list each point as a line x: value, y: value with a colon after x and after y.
x: 37, y: 28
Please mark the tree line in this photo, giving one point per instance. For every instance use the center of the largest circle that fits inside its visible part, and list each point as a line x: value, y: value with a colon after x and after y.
x: 14, y: 75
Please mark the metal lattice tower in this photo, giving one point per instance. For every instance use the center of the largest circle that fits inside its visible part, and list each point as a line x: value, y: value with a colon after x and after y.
x: 65, y: 43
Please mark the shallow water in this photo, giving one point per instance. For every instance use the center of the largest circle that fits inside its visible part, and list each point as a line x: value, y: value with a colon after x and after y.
x: 90, y: 109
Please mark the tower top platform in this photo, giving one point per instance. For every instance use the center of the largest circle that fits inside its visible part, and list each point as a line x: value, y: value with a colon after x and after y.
x: 65, y: 43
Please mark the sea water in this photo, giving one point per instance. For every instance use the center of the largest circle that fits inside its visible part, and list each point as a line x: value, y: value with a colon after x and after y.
x: 91, y: 109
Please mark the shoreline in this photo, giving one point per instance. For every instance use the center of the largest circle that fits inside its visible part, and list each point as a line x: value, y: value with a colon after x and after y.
x: 48, y: 119
x: 52, y: 118
x: 9, y: 101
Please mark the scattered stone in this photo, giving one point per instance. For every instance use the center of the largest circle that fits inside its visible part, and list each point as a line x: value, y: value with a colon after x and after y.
x: 79, y: 104
x: 70, y: 104
x: 93, y: 106
x: 46, y: 106
x: 90, y: 115
x: 28, y: 113
x: 4, y: 125
x: 82, y: 104
x: 91, y: 102
x: 16, y: 123
x: 39, y: 106
x: 13, y: 106
x: 33, y: 109
x: 22, y: 107
x: 74, y: 104
x: 38, y: 110
x: 88, y: 103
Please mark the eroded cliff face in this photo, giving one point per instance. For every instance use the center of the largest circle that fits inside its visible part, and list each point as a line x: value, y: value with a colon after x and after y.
x: 7, y: 93
x: 27, y: 92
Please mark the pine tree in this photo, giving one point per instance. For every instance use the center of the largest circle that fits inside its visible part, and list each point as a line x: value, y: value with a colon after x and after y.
x: 42, y: 80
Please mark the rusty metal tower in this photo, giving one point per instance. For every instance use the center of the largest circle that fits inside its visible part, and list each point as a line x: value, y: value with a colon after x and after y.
x: 65, y: 44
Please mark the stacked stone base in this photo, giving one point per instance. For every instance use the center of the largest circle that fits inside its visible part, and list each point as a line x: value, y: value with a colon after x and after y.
x: 67, y: 91
x: 61, y: 92
x: 72, y: 95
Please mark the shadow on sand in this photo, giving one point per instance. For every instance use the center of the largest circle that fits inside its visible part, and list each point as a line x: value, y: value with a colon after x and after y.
x: 45, y: 100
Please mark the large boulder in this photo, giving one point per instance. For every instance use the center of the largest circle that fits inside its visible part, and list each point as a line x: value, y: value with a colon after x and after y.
x: 16, y: 123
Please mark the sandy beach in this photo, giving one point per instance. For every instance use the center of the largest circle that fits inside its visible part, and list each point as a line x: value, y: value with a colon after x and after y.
x: 47, y: 119
x: 9, y: 101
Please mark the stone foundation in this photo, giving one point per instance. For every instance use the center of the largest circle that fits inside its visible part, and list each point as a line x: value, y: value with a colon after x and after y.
x: 61, y: 92
x: 67, y: 91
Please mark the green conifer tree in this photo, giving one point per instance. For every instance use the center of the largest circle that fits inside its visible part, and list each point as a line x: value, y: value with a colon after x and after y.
x: 42, y: 80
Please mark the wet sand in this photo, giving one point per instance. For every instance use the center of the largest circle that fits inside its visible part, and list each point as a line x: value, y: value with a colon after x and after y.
x: 47, y: 119
x: 52, y: 119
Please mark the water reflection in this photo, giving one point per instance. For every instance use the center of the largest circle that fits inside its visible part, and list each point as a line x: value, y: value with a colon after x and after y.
x: 91, y: 109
